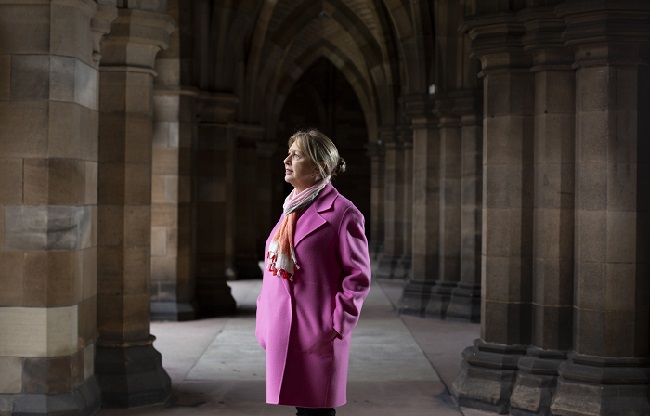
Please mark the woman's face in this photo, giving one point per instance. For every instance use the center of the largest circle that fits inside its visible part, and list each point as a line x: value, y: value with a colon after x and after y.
x: 299, y: 170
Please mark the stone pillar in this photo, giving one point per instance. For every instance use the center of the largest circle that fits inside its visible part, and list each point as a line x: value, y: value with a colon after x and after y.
x: 48, y: 206
x: 426, y: 211
x: 403, y: 265
x: 214, y: 159
x: 553, y: 213
x: 172, y: 220
x: 489, y: 366
x: 608, y: 371
x: 393, y: 206
x: 376, y: 243
x: 449, y: 229
x: 247, y: 251
x: 268, y: 214
x: 465, y: 302
x: 129, y: 369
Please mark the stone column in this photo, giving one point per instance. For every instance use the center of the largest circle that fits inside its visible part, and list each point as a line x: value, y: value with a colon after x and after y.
x: 403, y: 265
x: 172, y: 219
x: 465, y: 302
x: 393, y: 208
x: 489, y: 366
x: 553, y: 213
x: 608, y: 371
x: 214, y: 158
x: 48, y: 205
x: 247, y: 251
x: 129, y: 369
x: 426, y: 207
x: 270, y: 169
x: 376, y: 153
x: 449, y: 229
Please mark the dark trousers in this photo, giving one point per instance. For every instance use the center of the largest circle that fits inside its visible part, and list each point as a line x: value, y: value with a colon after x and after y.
x: 304, y: 411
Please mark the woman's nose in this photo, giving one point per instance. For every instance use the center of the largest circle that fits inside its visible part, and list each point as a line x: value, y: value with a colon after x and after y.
x: 287, y: 160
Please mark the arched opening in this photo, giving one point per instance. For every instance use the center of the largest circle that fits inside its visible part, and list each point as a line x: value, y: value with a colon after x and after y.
x: 324, y: 99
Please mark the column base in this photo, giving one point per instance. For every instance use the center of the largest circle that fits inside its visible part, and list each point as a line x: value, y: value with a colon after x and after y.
x: 536, y: 381
x: 415, y: 298
x: 439, y: 301
x: 82, y: 401
x: 172, y: 311
x: 487, y: 376
x: 131, y: 376
x: 214, y: 298
x: 598, y: 386
x: 387, y: 264
x: 465, y: 303
x: 402, y: 268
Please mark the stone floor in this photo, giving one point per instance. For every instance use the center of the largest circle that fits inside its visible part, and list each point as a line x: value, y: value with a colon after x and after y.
x: 399, y: 365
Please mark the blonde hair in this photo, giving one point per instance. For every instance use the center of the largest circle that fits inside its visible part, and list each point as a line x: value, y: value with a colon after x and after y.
x: 319, y: 149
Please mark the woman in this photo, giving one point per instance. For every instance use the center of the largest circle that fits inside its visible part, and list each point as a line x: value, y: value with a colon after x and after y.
x: 316, y: 278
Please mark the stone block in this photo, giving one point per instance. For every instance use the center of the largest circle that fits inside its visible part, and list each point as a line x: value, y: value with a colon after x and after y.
x: 165, y: 161
x: 32, y: 22
x: 30, y: 77
x: 163, y: 269
x: 137, y: 135
x: 66, y: 181
x: 87, y: 322
x: 503, y: 185
x: 555, y: 185
x: 86, y: 85
x: 62, y: 78
x: 89, y: 267
x: 137, y: 184
x: 172, y: 189
x: 35, y: 182
x: 555, y: 92
x: 64, y: 130
x: 63, y: 272
x: 620, y: 288
x: 158, y: 241
x: 5, y: 76
x: 35, y: 281
x: 157, y: 189
x: 623, y: 186
x: 591, y: 236
x: 38, y: 332
x: 138, y: 93
x: 506, y: 279
x: 111, y: 183
x: 621, y: 237
x: 137, y: 268
x: 555, y: 138
x: 590, y: 332
x: 11, y: 375
x: 24, y: 132
x: 137, y: 226
x: 89, y: 360
x: 507, y: 138
x: 70, y: 33
x: 89, y: 145
x: 47, y: 375
x: 11, y: 270
x: 11, y: 181
x: 90, y: 177
x: 592, y: 136
x: 553, y: 281
x: 497, y: 226
x: 553, y: 327
x: 591, y: 186
x: 593, y: 89
x: 507, y: 323
x: 166, y: 107
x: 110, y: 225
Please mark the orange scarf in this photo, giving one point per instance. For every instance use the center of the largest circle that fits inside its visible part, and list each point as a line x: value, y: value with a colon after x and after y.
x: 281, y: 259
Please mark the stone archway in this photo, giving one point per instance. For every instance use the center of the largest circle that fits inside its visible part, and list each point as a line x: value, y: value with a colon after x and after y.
x: 323, y: 98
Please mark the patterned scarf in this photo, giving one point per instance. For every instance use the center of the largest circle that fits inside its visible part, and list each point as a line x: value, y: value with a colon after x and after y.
x: 281, y: 259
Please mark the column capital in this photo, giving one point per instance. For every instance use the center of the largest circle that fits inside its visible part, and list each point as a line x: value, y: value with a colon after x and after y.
x: 135, y: 39
x: 216, y: 107
x: 608, y: 32
x: 544, y: 39
x: 496, y: 40
x: 101, y: 25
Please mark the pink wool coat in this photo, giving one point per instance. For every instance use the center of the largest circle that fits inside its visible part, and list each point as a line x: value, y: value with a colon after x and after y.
x: 295, y: 321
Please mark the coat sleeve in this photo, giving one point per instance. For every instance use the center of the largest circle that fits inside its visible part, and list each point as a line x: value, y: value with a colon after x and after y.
x: 353, y: 249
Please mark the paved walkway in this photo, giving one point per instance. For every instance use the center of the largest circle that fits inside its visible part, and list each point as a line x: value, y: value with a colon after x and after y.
x: 398, y: 365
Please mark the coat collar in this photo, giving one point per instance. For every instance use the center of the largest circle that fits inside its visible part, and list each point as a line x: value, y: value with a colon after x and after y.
x: 311, y: 219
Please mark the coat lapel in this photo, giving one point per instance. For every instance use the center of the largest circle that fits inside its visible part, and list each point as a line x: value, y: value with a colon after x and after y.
x: 311, y: 219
